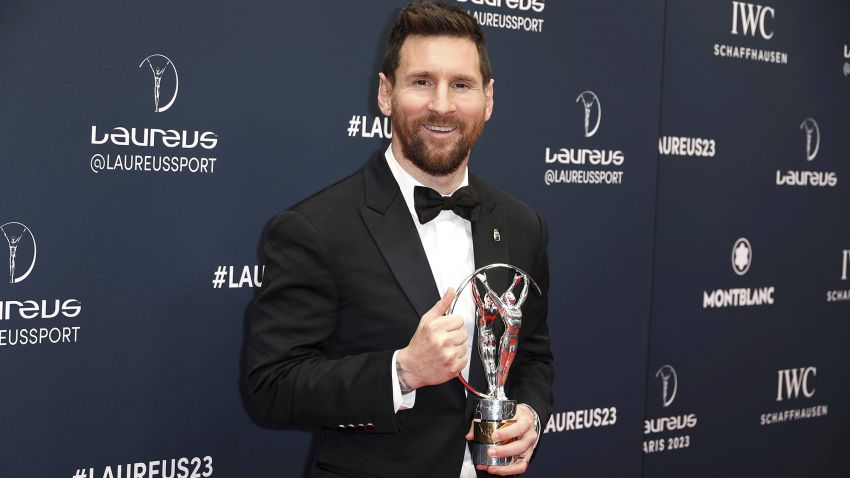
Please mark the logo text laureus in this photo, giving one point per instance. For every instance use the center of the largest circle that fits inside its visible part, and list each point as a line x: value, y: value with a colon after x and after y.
x: 171, y: 138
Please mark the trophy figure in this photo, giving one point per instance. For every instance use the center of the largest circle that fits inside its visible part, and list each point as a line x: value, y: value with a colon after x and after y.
x: 666, y: 373
x: 494, y: 410
x: 13, y: 238
x: 588, y: 98
x: 811, y: 128
x: 157, y: 79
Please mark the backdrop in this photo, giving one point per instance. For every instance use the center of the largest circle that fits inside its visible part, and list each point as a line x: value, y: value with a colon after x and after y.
x: 690, y: 157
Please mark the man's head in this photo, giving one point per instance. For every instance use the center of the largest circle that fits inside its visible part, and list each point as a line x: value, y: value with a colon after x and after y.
x: 436, y: 84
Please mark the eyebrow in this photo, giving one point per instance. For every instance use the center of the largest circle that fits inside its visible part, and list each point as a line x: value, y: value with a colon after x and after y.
x: 427, y: 74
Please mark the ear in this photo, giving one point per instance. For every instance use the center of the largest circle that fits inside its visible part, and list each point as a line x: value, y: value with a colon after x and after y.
x: 488, y: 100
x: 385, y: 95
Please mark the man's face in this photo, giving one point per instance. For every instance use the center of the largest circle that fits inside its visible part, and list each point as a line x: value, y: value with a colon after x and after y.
x: 438, y: 103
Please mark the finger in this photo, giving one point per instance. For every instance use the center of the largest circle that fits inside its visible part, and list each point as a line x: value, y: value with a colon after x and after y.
x: 457, y: 338
x: 512, y: 469
x: 516, y: 429
x: 469, y: 435
x: 515, y: 448
x: 442, y: 305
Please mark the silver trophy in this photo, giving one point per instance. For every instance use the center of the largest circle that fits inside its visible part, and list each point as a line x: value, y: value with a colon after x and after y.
x: 494, y: 410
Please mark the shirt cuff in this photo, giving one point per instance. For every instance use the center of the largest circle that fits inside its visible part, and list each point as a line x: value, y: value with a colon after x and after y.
x: 401, y: 401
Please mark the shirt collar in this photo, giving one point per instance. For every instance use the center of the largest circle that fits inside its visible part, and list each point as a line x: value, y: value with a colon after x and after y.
x: 406, y: 182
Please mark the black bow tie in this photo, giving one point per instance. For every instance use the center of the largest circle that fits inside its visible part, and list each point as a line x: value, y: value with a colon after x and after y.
x: 465, y: 202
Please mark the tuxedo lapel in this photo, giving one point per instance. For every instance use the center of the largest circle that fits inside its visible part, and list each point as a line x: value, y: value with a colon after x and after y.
x: 389, y: 222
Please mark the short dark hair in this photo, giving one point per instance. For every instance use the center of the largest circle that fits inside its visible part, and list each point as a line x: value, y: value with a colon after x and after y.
x: 430, y: 18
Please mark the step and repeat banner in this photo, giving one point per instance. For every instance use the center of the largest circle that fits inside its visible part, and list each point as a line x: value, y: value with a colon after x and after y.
x: 691, y: 157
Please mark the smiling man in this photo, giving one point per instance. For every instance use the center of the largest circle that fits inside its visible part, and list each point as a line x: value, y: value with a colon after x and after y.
x: 349, y: 331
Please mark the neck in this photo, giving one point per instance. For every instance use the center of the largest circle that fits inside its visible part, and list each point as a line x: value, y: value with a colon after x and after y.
x: 444, y: 185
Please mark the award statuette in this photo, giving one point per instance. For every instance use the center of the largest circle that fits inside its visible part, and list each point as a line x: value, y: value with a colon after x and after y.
x: 494, y: 410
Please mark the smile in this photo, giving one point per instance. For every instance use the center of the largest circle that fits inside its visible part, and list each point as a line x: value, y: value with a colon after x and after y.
x: 439, y: 129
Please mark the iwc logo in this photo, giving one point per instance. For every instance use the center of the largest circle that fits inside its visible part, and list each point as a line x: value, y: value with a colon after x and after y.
x: 841, y: 295
x: 22, y: 250
x: 669, y: 384
x: 795, y: 384
x: 756, y: 22
x: 742, y: 256
x: 591, y: 103
x: 159, y: 66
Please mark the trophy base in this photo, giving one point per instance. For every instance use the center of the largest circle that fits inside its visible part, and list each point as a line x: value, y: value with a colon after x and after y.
x: 490, y: 415
x: 480, y: 457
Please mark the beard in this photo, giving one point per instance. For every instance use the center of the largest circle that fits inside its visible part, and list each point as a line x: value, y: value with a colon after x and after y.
x: 438, y: 158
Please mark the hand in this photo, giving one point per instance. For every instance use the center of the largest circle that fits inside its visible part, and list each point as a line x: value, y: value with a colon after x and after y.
x: 437, y: 351
x: 521, y: 449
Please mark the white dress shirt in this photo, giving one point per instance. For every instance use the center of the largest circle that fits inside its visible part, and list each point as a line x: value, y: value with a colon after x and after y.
x: 447, y: 240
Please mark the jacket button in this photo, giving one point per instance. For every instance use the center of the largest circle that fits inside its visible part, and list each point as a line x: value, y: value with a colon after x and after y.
x: 361, y: 427
x: 370, y: 427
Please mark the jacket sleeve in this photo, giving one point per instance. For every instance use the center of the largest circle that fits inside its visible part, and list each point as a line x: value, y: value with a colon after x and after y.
x: 530, y: 380
x: 289, y: 378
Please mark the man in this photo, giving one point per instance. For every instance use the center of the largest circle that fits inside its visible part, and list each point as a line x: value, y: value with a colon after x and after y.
x: 349, y: 332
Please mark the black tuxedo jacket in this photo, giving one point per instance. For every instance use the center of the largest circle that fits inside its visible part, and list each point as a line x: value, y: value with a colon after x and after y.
x: 346, y: 282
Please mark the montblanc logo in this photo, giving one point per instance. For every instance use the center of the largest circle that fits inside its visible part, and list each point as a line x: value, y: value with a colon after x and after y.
x: 159, y: 66
x: 669, y: 384
x: 751, y: 18
x: 810, y: 126
x: 742, y: 256
x: 811, y: 132
x: 742, y: 259
x: 22, y: 250
x: 589, y: 100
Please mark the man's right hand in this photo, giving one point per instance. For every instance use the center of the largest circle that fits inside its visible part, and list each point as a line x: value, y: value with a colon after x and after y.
x: 437, y: 351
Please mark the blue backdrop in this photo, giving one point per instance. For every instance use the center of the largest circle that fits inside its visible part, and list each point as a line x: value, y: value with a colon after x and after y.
x: 690, y: 157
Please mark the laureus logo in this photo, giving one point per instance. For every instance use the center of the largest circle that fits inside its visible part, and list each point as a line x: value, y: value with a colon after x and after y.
x: 22, y: 250
x: 159, y: 66
x: 669, y: 384
x: 589, y: 100
x: 742, y: 256
x: 810, y: 126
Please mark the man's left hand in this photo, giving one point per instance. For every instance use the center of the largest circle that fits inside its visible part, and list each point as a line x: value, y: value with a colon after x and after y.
x: 521, y: 449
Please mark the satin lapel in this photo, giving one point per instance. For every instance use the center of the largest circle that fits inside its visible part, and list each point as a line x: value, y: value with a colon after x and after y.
x: 389, y: 222
x: 490, y: 242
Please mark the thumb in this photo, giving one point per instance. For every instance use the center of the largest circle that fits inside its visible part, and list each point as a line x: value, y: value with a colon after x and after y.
x: 442, y: 305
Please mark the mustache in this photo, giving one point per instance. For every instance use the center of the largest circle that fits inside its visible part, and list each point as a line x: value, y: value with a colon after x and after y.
x: 441, y: 121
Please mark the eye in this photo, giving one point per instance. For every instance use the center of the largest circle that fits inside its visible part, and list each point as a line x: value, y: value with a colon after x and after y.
x: 421, y: 82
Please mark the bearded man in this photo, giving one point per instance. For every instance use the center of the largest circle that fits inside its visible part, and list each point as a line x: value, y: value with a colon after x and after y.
x: 350, y: 331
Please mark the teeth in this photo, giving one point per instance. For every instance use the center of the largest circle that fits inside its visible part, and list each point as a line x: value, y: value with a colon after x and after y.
x: 443, y: 129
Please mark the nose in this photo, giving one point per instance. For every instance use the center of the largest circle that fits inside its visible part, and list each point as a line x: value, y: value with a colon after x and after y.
x: 441, y: 101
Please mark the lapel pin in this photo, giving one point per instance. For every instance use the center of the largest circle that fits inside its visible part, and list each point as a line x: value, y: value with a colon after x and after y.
x: 496, y: 236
